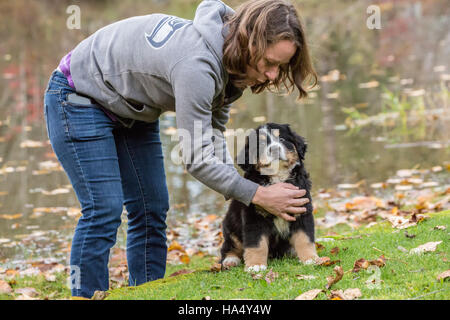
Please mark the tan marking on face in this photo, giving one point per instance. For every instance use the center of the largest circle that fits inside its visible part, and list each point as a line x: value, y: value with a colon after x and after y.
x: 305, y: 249
x: 292, y: 157
x: 276, y: 132
x: 257, y: 255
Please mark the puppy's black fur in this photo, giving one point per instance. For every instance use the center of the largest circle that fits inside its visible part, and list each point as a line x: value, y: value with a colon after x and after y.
x: 249, y: 231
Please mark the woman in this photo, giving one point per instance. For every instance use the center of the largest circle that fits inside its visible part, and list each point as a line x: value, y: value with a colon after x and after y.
x: 102, y: 107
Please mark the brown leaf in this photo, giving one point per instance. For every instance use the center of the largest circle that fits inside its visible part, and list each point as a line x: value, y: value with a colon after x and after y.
x: 99, y: 295
x: 334, y: 251
x: 444, y: 275
x: 216, y: 267
x: 325, y: 261
x: 360, y: 264
x: 410, y: 236
x: 30, y: 292
x: 348, y: 294
x: 332, y: 280
x: 309, y: 295
x: 427, y: 247
x: 319, y: 246
x: 182, y: 271
x: 380, y: 262
x: 352, y: 293
x: 5, y: 288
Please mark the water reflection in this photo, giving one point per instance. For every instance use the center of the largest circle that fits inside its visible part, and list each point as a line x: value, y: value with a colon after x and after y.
x: 358, y: 68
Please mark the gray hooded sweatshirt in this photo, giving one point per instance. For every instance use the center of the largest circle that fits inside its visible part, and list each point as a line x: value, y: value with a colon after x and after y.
x: 143, y: 66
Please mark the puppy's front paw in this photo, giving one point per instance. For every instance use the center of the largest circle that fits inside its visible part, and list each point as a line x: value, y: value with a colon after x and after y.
x: 230, y: 261
x: 308, y: 262
x: 256, y: 268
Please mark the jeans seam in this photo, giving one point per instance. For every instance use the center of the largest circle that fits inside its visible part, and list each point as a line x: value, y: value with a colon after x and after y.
x: 90, y: 196
x: 143, y: 200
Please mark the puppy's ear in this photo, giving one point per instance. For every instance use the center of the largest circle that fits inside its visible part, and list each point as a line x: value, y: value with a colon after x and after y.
x: 299, y: 142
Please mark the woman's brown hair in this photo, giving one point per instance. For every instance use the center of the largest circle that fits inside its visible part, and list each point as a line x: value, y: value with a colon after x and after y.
x: 254, y: 26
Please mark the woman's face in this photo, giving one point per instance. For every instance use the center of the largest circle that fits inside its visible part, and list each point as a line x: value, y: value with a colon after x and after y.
x: 268, y: 68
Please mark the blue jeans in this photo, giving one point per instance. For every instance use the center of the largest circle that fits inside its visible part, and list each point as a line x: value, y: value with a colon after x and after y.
x: 109, y: 165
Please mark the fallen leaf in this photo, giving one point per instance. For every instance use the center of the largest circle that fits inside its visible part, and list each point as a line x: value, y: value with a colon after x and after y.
x: 50, y: 277
x: 360, y: 264
x: 5, y: 288
x: 185, y: 259
x: 352, y: 293
x: 257, y: 276
x: 410, y: 236
x: 259, y: 119
x: 270, y: 276
x: 325, y: 261
x: 30, y: 292
x: 11, y: 216
x: 444, y: 275
x: 402, y: 249
x: 319, y: 246
x: 440, y: 228
x: 99, y: 295
x: 380, y: 262
x: 370, y: 84
x: 216, y: 267
x: 427, y: 247
x: 334, y: 251
x: 309, y: 295
x: 25, y: 297
x: 348, y: 294
x: 175, y: 246
x: 332, y: 280
x: 182, y: 271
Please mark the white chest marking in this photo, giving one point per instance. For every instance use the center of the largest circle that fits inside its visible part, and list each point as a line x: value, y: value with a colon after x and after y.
x: 282, y: 227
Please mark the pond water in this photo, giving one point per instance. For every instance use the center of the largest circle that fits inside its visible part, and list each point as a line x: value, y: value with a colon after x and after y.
x: 382, y: 104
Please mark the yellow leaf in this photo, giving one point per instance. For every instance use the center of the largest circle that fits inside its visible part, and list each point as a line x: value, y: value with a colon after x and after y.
x: 175, y: 246
x: 11, y: 216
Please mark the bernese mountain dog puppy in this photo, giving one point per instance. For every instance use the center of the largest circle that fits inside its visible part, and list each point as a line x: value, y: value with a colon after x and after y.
x: 273, y: 153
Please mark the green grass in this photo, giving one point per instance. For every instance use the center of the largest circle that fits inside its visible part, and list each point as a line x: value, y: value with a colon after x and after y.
x: 403, y: 277
x: 47, y: 290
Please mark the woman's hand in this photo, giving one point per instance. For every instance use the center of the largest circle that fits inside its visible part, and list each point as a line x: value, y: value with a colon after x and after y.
x: 281, y: 200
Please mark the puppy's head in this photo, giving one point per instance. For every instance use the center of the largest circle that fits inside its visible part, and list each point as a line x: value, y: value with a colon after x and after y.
x: 273, y: 150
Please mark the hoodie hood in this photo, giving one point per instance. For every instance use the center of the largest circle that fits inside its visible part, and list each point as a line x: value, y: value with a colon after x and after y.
x: 209, y: 20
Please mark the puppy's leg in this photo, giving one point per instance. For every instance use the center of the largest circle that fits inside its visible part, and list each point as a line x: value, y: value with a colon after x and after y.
x: 255, y: 256
x: 232, y: 251
x: 304, y: 247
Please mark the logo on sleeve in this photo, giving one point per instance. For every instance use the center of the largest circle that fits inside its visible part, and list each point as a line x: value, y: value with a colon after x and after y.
x: 164, y: 30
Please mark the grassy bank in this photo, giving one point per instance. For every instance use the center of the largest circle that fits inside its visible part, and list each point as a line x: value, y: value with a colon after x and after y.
x: 404, y: 275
